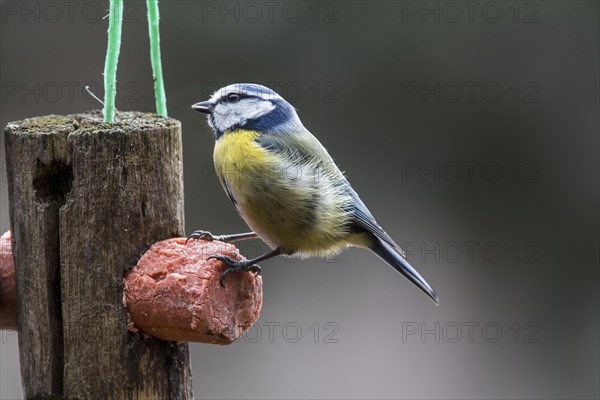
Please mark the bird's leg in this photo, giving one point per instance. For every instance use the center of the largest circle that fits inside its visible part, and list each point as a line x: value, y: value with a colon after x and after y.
x: 206, y: 235
x: 247, y: 265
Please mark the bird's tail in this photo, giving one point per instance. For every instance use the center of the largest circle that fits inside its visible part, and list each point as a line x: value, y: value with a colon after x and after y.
x: 399, y: 263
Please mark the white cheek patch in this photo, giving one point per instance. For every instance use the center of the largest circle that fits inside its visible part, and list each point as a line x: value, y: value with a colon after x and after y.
x: 228, y: 115
x: 258, y: 109
x: 222, y: 117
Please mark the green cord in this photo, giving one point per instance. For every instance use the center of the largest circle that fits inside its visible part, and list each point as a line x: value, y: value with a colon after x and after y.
x: 115, y: 21
x: 159, y: 87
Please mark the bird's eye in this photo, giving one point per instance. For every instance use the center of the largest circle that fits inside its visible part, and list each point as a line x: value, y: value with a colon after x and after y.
x: 233, y: 97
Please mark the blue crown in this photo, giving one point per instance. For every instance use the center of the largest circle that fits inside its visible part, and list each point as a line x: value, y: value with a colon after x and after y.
x: 251, y: 89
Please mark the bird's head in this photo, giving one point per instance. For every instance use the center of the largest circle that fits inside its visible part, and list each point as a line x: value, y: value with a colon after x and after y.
x: 249, y: 106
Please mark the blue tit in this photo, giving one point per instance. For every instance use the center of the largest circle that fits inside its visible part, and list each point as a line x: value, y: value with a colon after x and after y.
x: 286, y: 186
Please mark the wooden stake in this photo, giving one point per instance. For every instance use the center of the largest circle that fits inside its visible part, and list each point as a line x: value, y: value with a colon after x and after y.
x: 87, y: 198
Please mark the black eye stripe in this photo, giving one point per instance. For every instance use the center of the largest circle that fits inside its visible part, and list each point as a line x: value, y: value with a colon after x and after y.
x: 235, y: 97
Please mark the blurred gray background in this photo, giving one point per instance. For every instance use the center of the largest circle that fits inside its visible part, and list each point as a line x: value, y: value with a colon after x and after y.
x: 469, y: 129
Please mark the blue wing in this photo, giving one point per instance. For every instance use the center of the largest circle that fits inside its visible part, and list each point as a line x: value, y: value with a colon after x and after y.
x: 363, y: 218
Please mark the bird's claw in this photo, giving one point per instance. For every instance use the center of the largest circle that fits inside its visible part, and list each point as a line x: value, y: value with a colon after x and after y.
x: 235, y: 266
x: 201, y: 235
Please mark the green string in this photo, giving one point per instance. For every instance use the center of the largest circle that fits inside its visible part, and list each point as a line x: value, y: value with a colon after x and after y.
x: 115, y: 21
x: 159, y: 88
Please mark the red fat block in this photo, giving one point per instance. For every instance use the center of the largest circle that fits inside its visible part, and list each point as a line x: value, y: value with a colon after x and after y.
x: 8, y: 285
x: 174, y: 293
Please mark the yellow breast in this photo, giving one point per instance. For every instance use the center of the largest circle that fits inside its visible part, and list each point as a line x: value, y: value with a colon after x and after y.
x: 299, y: 215
x: 238, y: 158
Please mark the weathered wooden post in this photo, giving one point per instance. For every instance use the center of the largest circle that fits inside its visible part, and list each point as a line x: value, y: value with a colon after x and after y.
x: 86, y: 199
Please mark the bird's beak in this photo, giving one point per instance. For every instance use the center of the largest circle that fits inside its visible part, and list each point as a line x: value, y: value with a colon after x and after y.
x: 204, y: 106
